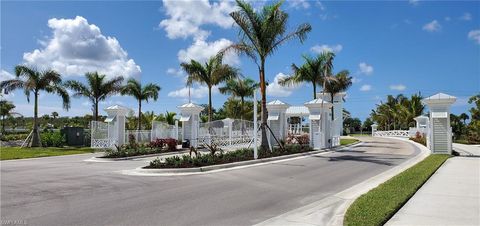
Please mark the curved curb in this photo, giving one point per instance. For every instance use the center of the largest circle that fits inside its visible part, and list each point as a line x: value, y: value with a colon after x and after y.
x: 100, y: 159
x: 331, y: 209
x: 228, y: 166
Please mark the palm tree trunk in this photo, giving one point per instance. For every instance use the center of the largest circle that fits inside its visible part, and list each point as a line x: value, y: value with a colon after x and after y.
x: 209, y: 103
x: 96, y: 110
x: 263, y: 127
x: 35, y: 133
x: 242, y: 100
x: 314, y: 90
x: 139, y: 115
x: 3, y: 124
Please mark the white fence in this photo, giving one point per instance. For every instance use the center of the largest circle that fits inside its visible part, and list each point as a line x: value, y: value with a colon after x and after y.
x: 164, y: 130
x: 392, y: 133
x: 226, y: 133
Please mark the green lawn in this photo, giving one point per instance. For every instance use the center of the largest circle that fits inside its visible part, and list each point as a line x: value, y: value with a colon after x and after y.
x: 378, y: 205
x: 347, y: 141
x: 7, y: 153
x: 365, y: 134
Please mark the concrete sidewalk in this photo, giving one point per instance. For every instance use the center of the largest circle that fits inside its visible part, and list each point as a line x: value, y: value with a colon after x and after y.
x: 450, y: 197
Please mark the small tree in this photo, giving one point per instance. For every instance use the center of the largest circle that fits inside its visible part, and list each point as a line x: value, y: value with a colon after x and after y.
x: 211, y: 74
x: 33, y: 81
x: 6, y: 108
x: 134, y: 88
x: 98, y: 89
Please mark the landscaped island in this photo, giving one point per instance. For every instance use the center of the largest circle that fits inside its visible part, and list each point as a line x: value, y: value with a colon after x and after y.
x: 218, y: 156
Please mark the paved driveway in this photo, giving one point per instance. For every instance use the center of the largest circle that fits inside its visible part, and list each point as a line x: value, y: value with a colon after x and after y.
x: 68, y: 191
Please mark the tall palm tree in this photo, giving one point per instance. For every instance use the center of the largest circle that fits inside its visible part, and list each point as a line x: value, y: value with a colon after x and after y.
x: 340, y: 82
x: 261, y: 33
x: 134, y: 88
x: 240, y: 88
x: 212, y: 73
x: 310, y: 71
x: 33, y: 81
x: 97, y: 89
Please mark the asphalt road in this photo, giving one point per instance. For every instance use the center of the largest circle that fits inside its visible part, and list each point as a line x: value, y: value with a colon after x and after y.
x: 68, y: 191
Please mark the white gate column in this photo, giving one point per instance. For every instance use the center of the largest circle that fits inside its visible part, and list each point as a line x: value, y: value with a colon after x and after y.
x: 440, y: 132
x: 190, y: 118
x: 374, y: 129
x: 277, y: 120
x: 320, y: 118
x: 116, y: 120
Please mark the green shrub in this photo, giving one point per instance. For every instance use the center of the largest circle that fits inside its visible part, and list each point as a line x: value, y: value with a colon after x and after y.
x: 52, y: 139
x: 419, y: 138
x: 14, y: 136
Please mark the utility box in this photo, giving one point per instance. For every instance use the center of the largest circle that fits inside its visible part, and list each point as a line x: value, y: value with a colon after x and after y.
x: 74, y: 136
x: 440, y: 132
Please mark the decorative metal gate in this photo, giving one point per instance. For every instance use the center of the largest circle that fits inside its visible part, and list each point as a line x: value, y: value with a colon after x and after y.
x: 103, y: 135
x: 227, y: 133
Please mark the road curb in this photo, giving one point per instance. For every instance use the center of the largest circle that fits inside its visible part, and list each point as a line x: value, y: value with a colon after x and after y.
x: 331, y: 210
x: 208, y: 169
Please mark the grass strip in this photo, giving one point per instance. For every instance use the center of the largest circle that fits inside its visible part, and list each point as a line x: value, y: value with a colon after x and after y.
x: 347, y: 141
x: 378, y: 205
x: 8, y: 153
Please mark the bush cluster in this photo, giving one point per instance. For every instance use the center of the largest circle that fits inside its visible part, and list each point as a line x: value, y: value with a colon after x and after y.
x: 419, y: 138
x: 52, y: 139
x: 188, y: 161
x: 135, y: 149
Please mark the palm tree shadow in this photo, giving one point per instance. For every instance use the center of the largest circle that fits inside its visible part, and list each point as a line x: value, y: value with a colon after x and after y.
x: 387, y: 161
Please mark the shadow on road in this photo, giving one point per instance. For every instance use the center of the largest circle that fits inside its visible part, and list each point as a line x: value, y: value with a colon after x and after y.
x: 387, y: 161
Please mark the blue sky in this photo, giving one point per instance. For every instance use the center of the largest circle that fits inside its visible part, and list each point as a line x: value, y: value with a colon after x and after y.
x: 389, y: 47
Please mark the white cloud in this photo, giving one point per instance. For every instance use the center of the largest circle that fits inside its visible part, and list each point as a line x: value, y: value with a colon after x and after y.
x: 321, y: 48
x: 466, y: 17
x: 413, y: 2
x: 356, y: 80
x: 447, y: 18
x: 432, y: 26
x: 5, y: 75
x: 365, y: 88
x: 398, y: 87
x: 196, y: 92
x: 365, y: 68
x: 299, y: 4
x: 175, y: 72
x: 77, y: 47
x: 201, y: 50
x: 276, y: 90
x: 304, y: 4
x: 185, y: 18
x: 474, y: 35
